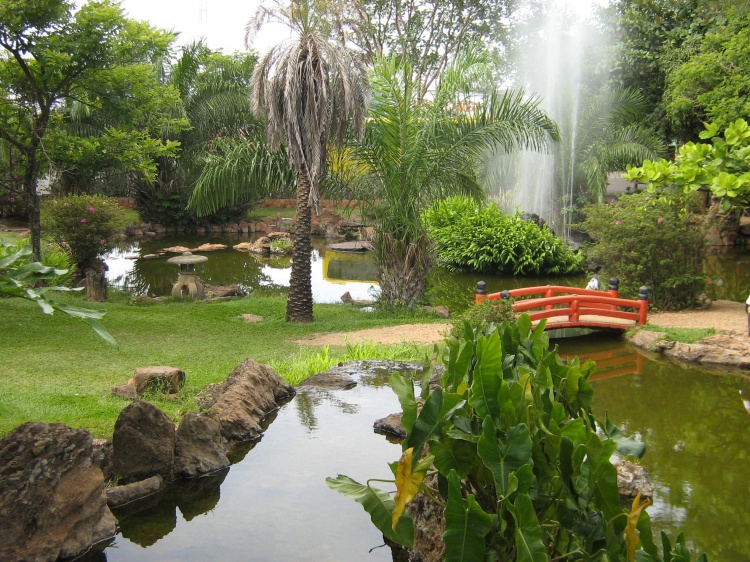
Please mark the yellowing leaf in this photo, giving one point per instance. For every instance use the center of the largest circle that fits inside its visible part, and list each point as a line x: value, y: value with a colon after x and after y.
x: 630, y: 529
x: 408, y: 482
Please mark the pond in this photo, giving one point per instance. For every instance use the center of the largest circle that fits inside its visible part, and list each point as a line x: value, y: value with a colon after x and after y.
x: 335, y: 273
x: 274, y: 504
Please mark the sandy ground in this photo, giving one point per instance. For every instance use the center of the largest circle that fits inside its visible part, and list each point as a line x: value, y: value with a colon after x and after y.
x: 723, y: 316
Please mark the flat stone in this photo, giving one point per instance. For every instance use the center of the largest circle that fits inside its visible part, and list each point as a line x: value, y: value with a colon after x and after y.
x: 327, y: 381
x: 126, y: 391
x: 161, y: 378
x: 390, y: 425
x: 356, y: 246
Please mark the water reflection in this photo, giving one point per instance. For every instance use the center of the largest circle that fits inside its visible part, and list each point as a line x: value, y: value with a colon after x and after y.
x: 274, y: 503
x: 695, y: 427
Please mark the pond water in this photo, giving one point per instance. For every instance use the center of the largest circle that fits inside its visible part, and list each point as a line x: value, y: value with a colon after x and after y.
x: 334, y: 273
x: 274, y: 504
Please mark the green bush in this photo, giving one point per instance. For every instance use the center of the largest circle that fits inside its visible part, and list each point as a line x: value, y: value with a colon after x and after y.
x: 643, y: 241
x: 86, y: 224
x: 169, y: 208
x: 489, y: 312
x: 506, y: 446
x: 486, y: 240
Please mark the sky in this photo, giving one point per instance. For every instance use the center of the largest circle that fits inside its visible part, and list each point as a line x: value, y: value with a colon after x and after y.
x: 221, y: 22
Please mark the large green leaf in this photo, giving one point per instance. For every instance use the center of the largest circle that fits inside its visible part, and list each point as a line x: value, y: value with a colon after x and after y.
x: 404, y: 389
x: 428, y: 422
x: 466, y: 525
x: 502, y: 458
x: 487, y: 377
x: 460, y: 355
x: 456, y: 455
x: 379, y: 505
x: 628, y: 446
x: 528, y: 532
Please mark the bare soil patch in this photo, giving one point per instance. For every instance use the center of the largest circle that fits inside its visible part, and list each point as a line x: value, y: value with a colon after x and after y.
x: 420, y: 334
x: 723, y: 316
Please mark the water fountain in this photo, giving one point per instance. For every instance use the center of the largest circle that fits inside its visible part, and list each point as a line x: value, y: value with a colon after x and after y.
x: 550, y: 65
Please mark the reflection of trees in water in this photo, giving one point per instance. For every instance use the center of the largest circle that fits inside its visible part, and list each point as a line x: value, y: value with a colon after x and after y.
x: 307, y: 400
x: 729, y: 273
x: 698, y: 447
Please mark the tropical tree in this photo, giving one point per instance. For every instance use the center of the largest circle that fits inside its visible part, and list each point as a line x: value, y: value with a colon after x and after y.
x: 610, y: 136
x: 49, y: 53
x: 309, y: 90
x: 416, y: 152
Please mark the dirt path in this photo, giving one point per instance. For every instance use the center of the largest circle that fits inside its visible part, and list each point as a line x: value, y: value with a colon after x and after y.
x: 723, y: 316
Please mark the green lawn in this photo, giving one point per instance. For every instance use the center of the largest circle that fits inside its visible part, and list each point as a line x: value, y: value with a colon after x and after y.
x: 55, y: 369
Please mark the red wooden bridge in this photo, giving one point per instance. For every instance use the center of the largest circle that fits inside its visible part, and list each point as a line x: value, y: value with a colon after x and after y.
x: 571, y: 307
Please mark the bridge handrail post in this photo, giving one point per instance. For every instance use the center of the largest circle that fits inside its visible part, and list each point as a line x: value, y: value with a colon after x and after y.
x: 549, y: 293
x: 614, y: 290
x: 481, y: 293
x: 574, y: 310
x: 643, y: 301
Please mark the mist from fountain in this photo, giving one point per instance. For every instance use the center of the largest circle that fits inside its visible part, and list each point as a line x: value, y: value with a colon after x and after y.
x: 549, y: 63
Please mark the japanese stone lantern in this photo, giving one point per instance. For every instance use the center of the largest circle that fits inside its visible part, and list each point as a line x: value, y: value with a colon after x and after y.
x: 188, y: 284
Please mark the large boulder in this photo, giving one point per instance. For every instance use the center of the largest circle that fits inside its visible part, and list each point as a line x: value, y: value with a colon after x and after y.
x: 52, y: 502
x: 143, y: 443
x: 200, y: 447
x: 240, y: 402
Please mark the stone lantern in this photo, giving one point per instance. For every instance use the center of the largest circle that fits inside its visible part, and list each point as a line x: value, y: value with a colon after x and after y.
x: 188, y: 284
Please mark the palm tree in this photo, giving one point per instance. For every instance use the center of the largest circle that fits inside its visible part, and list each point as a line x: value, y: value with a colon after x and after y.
x: 416, y: 152
x: 309, y: 90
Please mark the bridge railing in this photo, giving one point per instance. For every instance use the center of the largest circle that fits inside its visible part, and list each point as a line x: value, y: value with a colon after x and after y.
x: 569, y: 305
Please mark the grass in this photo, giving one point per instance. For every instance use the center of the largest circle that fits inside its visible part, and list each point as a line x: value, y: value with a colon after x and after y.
x: 54, y: 368
x: 9, y: 237
x: 682, y: 335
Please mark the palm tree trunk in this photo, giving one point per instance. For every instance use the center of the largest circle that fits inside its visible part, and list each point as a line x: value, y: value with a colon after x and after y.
x: 299, y: 303
x: 402, y: 269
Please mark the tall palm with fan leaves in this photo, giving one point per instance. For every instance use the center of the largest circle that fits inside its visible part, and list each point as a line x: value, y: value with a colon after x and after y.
x: 309, y: 90
x: 416, y: 152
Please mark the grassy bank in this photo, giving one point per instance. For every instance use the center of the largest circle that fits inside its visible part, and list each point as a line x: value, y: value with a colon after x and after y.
x: 55, y: 369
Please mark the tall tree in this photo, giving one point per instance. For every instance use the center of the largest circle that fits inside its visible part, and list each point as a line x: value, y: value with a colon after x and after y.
x: 52, y: 53
x: 415, y: 153
x: 309, y: 90
x: 428, y: 34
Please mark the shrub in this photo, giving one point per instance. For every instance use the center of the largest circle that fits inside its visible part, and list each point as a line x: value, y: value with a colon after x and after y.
x: 169, y: 208
x: 486, y: 240
x: 507, y: 447
x: 86, y: 224
x: 650, y: 242
x: 488, y: 312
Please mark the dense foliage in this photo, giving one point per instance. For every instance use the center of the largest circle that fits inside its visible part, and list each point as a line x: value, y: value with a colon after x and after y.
x: 483, y: 238
x: 723, y: 167
x: 86, y: 224
x: 508, y: 445
x: 644, y: 241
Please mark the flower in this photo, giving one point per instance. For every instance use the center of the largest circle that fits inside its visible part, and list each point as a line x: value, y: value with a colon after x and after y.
x: 92, y: 209
x: 102, y: 241
x: 660, y: 219
x: 648, y: 198
x: 618, y: 223
x: 83, y: 220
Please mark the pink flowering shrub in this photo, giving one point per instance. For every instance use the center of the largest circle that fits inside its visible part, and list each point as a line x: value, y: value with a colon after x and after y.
x: 647, y: 242
x: 86, y: 224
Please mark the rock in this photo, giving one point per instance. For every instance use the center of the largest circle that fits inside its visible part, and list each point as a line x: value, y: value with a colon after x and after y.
x: 390, y: 425
x: 357, y: 246
x: 239, y: 403
x: 168, y: 380
x: 143, y: 443
x: 101, y: 456
x: 120, y: 495
x: 177, y: 249
x: 224, y: 291
x: 52, y: 502
x: 721, y: 350
x: 199, y: 446
x: 150, y: 256
x: 209, y: 247
x: 126, y: 391
x: 347, y: 298
x: 647, y: 340
x: 633, y: 479
x: 327, y: 381
x: 439, y: 311
x: 243, y: 246
x: 251, y: 318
